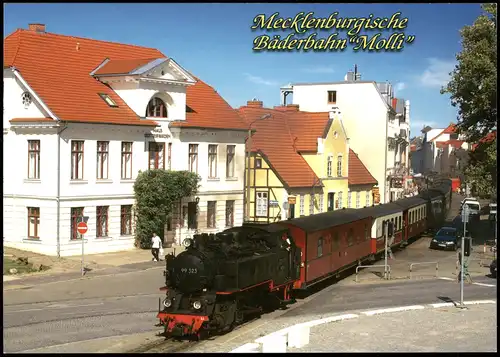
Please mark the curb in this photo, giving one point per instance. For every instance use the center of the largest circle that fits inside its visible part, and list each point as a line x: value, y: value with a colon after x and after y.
x: 297, y: 336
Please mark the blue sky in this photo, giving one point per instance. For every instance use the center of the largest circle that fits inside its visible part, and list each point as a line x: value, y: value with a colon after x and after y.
x: 214, y: 42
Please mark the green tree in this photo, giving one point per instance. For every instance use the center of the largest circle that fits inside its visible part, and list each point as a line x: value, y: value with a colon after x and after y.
x: 156, y: 191
x: 473, y: 89
x: 473, y: 84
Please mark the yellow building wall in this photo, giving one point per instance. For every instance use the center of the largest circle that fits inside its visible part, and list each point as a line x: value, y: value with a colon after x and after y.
x: 264, y: 179
x: 334, y: 145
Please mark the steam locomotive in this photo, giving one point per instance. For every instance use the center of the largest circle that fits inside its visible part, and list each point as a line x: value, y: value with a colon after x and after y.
x: 222, y: 278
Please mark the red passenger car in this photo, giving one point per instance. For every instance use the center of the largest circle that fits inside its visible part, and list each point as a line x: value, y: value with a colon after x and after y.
x: 414, y: 216
x: 330, y: 242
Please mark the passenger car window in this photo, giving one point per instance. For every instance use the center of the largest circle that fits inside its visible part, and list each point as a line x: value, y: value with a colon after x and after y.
x: 320, y: 246
x: 350, y: 237
x: 336, y: 241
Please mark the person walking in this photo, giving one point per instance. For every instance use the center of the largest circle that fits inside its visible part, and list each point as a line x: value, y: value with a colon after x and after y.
x: 155, y: 250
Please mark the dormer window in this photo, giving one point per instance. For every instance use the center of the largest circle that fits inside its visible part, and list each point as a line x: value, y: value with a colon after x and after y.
x: 156, y: 108
x: 108, y: 100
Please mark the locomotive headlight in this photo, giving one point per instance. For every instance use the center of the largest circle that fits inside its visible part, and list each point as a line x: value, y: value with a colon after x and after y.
x: 187, y: 242
x: 167, y: 302
x: 302, y: 264
x: 197, y: 305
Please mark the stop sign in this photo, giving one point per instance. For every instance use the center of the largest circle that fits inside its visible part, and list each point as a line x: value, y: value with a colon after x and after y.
x: 82, y: 227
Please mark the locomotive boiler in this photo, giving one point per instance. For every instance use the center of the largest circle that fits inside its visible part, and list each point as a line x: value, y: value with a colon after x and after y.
x: 222, y: 278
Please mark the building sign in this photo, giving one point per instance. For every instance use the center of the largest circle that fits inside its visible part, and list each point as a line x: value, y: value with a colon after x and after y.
x: 157, y: 134
x: 273, y: 203
x: 376, y: 195
x: 397, y: 182
x: 292, y: 200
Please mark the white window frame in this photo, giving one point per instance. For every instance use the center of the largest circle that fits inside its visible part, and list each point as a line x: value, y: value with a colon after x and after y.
x: 34, y: 154
x: 320, y: 198
x: 339, y: 165
x: 311, y: 204
x: 358, y: 199
x: 340, y: 199
x: 261, y: 203
x: 126, y: 159
x: 329, y: 166
x: 349, y: 198
x: 213, y: 151
x: 367, y: 198
x: 302, y: 204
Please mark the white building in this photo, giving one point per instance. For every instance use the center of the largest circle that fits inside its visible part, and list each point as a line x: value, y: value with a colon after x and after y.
x: 441, y: 150
x: 378, y: 133
x: 82, y: 120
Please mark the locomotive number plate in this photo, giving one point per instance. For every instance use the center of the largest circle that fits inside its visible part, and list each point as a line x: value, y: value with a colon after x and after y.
x: 189, y: 270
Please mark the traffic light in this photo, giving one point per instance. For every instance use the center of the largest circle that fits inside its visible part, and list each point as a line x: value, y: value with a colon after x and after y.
x: 467, y: 247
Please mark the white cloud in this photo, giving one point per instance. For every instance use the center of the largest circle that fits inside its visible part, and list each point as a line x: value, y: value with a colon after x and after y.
x: 400, y: 86
x: 437, y: 74
x: 260, y: 80
x: 319, y: 69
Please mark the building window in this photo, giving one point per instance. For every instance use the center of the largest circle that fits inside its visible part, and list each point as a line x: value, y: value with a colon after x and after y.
x: 367, y: 198
x: 340, y: 200
x: 329, y: 166
x: 33, y: 222
x: 126, y: 220
x: 320, y: 197
x: 102, y: 159
x: 212, y: 161
x: 156, y: 155
x: 156, y: 109
x: 76, y: 160
x: 231, y: 151
x: 302, y: 205
x: 184, y: 217
x: 350, y: 237
x: 34, y: 159
x: 192, y: 215
x: 211, y: 214
x: 76, y: 216
x: 102, y: 221
x: 108, y: 100
x: 262, y: 201
x: 349, y: 199
x: 339, y: 166
x: 320, y: 247
x: 311, y: 204
x: 229, y: 213
x: 126, y: 160
x: 169, y: 160
x: 332, y: 97
x: 193, y: 158
x: 358, y: 199
x: 258, y: 163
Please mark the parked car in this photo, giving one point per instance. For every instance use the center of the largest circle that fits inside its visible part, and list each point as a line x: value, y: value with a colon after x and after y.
x: 447, y: 238
x: 493, y: 268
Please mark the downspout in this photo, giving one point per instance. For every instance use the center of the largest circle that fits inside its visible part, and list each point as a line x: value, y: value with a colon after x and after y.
x: 58, y: 197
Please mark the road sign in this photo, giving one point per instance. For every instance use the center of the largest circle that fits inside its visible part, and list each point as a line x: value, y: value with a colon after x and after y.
x: 82, y: 228
x: 83, y: 219
x: 465, y: 214
x: 493, y: 208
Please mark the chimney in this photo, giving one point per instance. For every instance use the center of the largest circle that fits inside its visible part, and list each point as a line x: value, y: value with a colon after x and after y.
x: 37, y: 28
x: 254, y: 103
x: 349, y: 77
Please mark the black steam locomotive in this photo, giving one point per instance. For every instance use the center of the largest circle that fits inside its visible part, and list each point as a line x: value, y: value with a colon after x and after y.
x: 222, y: 278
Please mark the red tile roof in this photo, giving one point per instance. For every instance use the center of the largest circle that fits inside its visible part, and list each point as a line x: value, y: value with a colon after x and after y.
x: 488, y: 138
x: 58, y: 69
x: 275, y: 138
x: 207, y: 109
x: 31, y: 120
x: 450, y: 129
x: 441, y: 144
x: 122, y: 66
x: 455, y: 143
x: 358, y: 174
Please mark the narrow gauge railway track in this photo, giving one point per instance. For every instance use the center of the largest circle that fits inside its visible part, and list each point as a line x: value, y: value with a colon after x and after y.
x: 164, y: 345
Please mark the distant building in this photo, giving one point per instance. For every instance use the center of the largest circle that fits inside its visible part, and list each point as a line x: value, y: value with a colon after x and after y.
x: 301, y: 164
x: 377, y: 123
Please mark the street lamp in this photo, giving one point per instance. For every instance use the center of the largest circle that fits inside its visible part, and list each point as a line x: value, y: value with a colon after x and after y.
x: 249, y: 149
